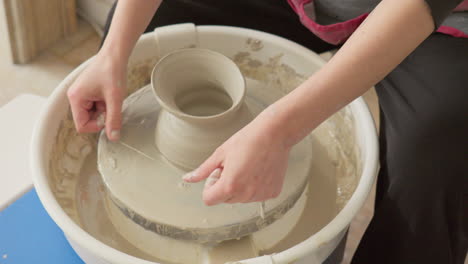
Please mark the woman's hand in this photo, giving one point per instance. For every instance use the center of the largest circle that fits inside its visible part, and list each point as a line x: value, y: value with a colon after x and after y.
x: 252, y: 163
x: 96, y: 96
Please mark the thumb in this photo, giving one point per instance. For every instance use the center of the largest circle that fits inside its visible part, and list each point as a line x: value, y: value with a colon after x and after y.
x: 113, y: 114
x: 207, y: 167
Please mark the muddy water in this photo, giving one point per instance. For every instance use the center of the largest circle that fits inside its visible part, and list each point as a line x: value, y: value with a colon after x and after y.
x: 320, y: 208
x: 321, y: 205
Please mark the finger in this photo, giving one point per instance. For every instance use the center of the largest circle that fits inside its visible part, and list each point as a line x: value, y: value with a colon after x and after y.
x: 100, y: 118
x: 79, y: 117
x: 263, y: 193
x: 234, y: 200
x: 95, y: 122
x: 261, y: 197
x: 81, y: 111
x: 113, y: 114
x: 213, y: 178
x: 207, y: 167
x: 244, y: 196
x: 84, y: 124
x: 92, y: 126
x: 216, y: 193
x: 100, y: 114
x: 270, y: 193
x: 100, y: 106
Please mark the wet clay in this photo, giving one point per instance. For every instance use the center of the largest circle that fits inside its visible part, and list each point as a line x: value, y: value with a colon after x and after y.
x: 319, y: 208
x: 201, y: 94
x: 316, y: 209
x: 152, y: 193
x: 185, y: 140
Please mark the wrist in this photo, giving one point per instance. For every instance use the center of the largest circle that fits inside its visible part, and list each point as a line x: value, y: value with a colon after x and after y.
x: 114, y: 53
x: 275, y: 126
x: 112, y: 59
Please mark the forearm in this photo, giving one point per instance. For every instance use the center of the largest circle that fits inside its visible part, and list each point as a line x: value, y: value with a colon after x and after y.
x: 390, y: 33
x: 130, y: 19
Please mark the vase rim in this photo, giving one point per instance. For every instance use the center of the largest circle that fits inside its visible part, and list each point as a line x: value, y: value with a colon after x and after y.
x: 236, y: 103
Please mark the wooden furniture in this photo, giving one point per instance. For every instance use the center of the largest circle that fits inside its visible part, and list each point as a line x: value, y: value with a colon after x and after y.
x: 34, y: 25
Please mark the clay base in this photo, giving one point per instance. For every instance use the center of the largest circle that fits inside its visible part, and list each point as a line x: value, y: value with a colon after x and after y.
x: 149, y: 190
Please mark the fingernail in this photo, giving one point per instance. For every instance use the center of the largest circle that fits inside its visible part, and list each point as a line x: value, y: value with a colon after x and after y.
x: 101, y: 120
x: 189, y: 175
x: 115, y: 135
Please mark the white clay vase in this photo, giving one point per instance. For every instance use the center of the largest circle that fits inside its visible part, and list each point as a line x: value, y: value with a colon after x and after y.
x: 201, y: 93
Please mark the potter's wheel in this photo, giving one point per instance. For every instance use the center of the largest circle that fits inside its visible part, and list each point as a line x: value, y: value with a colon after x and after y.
x: 143, y: 185
x: 344, y: 154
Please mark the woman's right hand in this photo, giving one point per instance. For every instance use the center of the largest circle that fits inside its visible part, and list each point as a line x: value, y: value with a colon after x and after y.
x: 96, y: 96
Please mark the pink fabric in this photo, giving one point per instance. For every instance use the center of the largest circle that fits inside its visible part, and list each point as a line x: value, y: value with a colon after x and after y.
x: 334, y: 33
x: 452, y: 32
x: 463, y: 6
x: 340, y: 32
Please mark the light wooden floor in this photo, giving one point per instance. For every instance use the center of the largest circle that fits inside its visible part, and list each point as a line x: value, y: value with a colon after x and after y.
x: 49, y: 69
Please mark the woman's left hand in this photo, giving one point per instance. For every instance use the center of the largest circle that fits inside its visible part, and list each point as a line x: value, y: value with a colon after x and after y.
x: 252, y: 163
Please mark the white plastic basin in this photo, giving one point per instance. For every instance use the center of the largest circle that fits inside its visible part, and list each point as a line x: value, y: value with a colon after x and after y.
x: 231, y: 42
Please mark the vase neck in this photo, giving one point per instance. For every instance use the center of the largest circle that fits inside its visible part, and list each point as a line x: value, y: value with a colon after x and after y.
x: 201, y: 93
